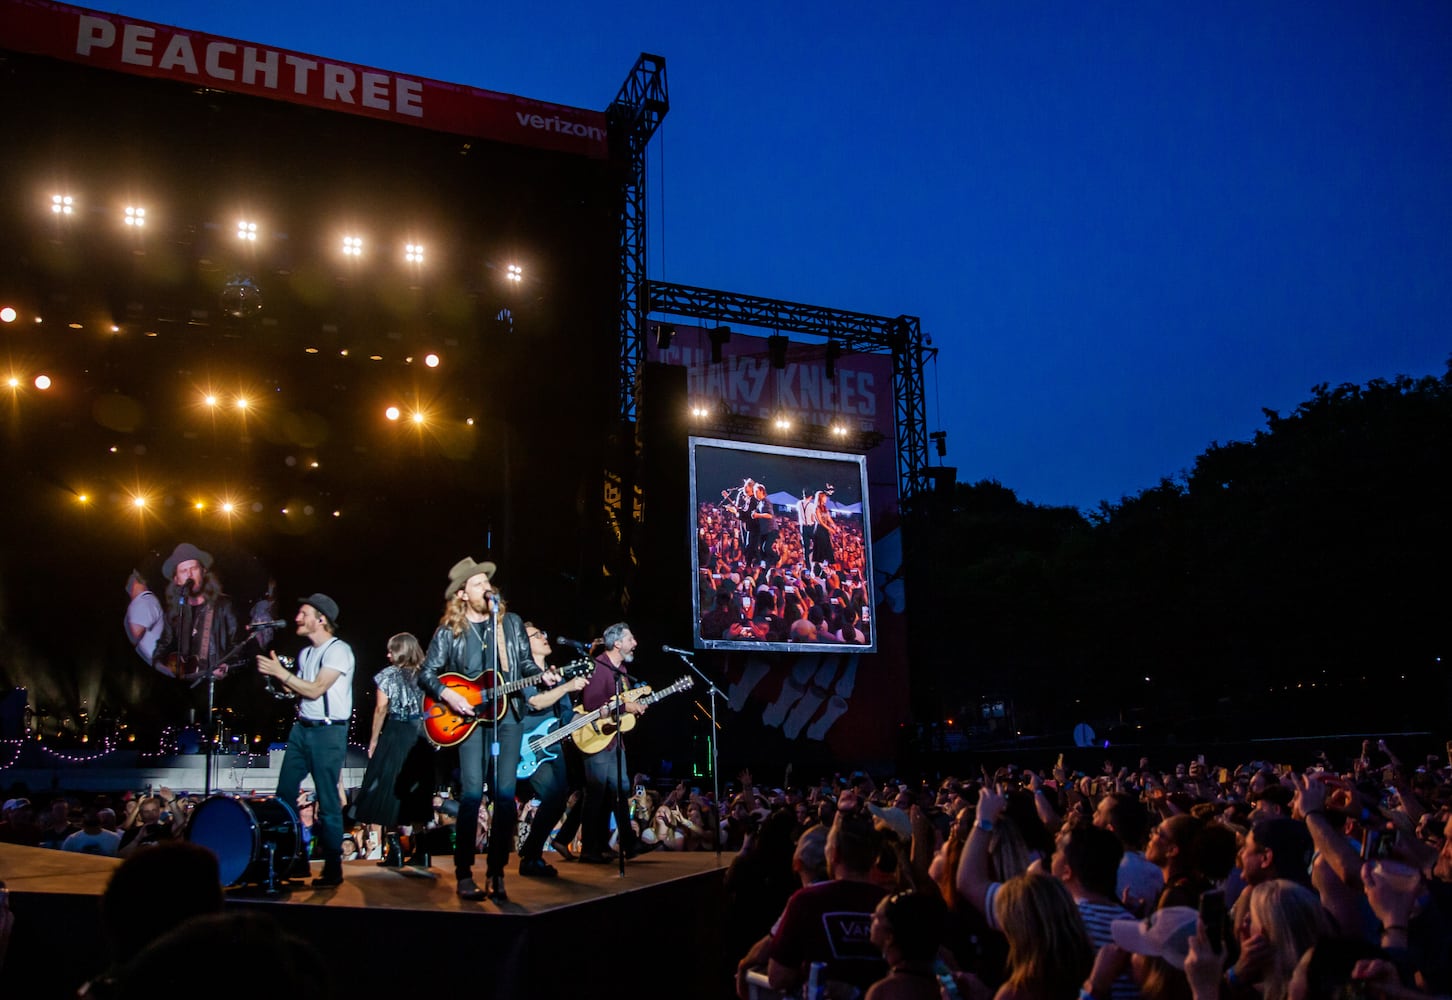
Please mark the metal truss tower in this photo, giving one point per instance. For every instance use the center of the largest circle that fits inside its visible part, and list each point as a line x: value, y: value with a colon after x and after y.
x: 853, y: 332
x: 635, y: 115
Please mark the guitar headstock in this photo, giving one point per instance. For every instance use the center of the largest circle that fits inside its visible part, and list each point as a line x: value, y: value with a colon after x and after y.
x: 583, y: 667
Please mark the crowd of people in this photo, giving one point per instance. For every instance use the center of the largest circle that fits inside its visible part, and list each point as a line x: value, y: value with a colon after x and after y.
x: 1260, y: 881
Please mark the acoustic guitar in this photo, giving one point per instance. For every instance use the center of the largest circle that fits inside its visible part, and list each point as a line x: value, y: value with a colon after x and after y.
x: 596, y: 736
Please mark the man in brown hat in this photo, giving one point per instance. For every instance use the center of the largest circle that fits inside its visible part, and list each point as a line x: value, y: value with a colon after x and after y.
x: 200, y: 625
x: 477, y: 635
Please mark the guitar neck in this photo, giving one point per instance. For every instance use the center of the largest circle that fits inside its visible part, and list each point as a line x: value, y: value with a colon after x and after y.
x: 589, y: 718
x: 509, y: 687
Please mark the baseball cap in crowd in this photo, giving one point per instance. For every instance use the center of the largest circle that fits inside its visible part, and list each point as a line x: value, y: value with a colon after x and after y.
x: 1165, y: 934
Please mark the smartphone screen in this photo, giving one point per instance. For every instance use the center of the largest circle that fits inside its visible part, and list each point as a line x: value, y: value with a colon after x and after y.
x: 1212, y: 916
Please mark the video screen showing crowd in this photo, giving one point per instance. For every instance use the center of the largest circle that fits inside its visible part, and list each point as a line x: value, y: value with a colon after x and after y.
x: 774, y: 569
x: 484, y: 680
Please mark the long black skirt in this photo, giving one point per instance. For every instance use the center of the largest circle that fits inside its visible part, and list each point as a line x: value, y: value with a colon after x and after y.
x: 398, y: 786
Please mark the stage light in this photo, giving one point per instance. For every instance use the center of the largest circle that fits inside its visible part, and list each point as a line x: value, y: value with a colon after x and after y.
x: 7, y: 315
x: 13, y: 382
x: 247, y: 230
x: 352, y: 246
x: 782, y: 423
x: 42, y: 382
x: 135, y: 216
x: 413, y: 253
x: 209, y: 399
x: 431, y: 360
x: 719, y: 337
x: 75, y: 326
x: 62, y: 204
x: 940, y: 442
x: 199, y: 505
x: 83, y: 498
x: 700, y: 412
x: 839, y: 431
x: 139, y: 502
x: 469, y: 421
x: 418, y: 417
x: 834, y: 350
x: 514, y: 272
x: 776, y: 348
x: 664, y: 334
x: 228, y: 507
x: 392, y: 413
x: 115, y: 328
x: 242, y: 402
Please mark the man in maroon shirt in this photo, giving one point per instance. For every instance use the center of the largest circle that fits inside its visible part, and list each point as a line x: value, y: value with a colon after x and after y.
x: 606, y: 771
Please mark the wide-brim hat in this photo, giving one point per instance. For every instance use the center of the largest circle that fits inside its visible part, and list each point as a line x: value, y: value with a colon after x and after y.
x: 323, y: 604
x: 462, y: 570
x: 185, y: 552
x: 1165, y: 934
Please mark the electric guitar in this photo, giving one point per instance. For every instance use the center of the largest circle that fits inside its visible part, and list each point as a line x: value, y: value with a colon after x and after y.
x: 488, y: 694
x: 534, y: 747
x: 596, y: 734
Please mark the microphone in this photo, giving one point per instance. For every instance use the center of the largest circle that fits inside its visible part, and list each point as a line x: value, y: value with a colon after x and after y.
x: 278, y: 623
x: 575, y: 644
x: 493, y: 603
x: 678, y: 652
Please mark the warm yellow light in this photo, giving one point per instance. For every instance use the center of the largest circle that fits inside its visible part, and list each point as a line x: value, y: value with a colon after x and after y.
x: 200, y: 505
x: 135, y: 216
x: 353, y: 246
x: 210, y: 400
x: 13, y: 382
x: 391, y: 413
x: 337, y: 513
x: 432, y: 360
x: 313, y: 464
x: 514, y: 272
x: 241, y: 402
x: 247, y: 230
x: 82, y: 498
x: 62, y: 204
x: 7, y: 315
x: 418, y: 418
x: 227, y: 507
x: 138, y: 502
x: 469, y: 421
x: 413, y: 253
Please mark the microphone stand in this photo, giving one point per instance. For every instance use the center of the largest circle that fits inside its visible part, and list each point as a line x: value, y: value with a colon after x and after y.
x: 619, y: 714
x: 494, y: 637
x: 715, y: 769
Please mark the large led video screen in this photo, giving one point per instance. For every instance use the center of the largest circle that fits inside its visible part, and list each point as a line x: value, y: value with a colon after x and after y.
x: 782, y: 557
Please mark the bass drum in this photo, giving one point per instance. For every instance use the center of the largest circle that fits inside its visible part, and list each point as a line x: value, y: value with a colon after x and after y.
x: 240, y: 832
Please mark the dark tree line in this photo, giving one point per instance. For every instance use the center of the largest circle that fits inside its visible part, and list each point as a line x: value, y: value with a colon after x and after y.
x: 1294, y: 583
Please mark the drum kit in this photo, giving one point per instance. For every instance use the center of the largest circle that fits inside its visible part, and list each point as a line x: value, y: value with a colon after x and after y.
x: 257, y: 839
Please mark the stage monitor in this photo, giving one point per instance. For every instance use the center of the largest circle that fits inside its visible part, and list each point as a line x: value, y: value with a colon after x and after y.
x: 782, y: 556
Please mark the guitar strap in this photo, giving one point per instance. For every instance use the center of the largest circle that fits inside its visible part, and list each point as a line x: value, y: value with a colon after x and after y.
x: 206, y: 645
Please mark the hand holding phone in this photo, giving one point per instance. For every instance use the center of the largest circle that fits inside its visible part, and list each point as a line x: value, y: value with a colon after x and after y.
x: 1212, y: 918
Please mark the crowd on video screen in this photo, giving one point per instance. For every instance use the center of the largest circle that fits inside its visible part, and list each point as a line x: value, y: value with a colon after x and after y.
x: 772, y: 572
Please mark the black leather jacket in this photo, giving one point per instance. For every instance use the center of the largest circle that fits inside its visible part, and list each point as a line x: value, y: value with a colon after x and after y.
x: 224, y: 632
x: 449, y: 653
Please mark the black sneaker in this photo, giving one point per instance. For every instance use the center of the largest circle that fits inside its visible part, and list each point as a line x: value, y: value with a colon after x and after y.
x: 537, y: 868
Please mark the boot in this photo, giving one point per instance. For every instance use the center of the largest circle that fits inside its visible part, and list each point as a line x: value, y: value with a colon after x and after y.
x: 392, y: 852
x: 419, y: 854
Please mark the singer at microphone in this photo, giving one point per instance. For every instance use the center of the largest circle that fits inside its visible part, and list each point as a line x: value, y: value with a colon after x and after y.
x: 678, y: 652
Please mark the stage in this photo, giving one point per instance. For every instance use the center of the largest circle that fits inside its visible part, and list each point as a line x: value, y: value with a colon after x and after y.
x: 386, y: 930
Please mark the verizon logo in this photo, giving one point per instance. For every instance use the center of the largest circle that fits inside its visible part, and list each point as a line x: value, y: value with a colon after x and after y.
x: 558, y: 124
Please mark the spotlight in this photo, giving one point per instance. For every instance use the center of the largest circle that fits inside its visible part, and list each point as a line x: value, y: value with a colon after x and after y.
x: 13, y: 382
x: 242, y: 402
x: 209, y: 399
x: 391, y: 413
x: 247, y: 231
x: 135, y: 216
x: 940, y: 442
x: 664, y: 334
x: 719, y: 337
x: 352, y: 246
x: 139, y: 502
x: 418, y: 416
x: 42, y: 382
x: 432, y: 360
x: 7, y: 315
x: 62, y: 204
x: 776, y: 348
x: 514, y: 272
x: 782, y: 422
x: 413, y: 253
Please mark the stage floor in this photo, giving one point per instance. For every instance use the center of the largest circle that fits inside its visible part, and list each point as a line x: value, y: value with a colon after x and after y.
x: 674, y: 898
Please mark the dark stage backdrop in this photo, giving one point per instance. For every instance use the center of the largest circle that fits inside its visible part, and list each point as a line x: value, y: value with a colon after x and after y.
x: 136, y: 326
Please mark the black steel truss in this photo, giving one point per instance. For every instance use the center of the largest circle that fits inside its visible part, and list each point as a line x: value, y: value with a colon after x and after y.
x: 634, y: 116
x: 860, y: 333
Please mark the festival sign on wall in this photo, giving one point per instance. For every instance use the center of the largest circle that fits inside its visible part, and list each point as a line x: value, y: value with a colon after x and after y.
x: 127, y: 45
x: 811, y: 695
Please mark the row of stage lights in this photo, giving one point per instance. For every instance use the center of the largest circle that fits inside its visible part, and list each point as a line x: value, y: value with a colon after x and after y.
x: 780, y: 421
x: 247, y: 232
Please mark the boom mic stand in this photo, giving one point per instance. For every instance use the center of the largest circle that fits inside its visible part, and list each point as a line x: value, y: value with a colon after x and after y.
x: 689, y: 661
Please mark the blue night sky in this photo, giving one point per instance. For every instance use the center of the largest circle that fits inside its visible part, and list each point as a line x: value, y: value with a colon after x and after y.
x: 1127, y: 227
